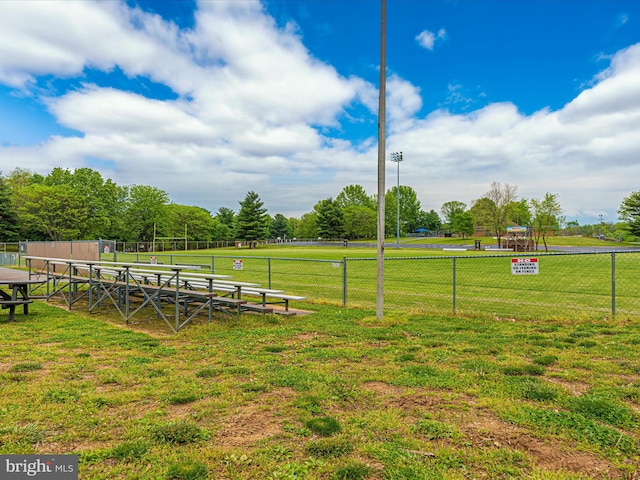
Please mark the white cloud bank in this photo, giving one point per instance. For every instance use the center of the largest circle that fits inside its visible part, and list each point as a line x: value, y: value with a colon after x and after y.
x: 252, y: 107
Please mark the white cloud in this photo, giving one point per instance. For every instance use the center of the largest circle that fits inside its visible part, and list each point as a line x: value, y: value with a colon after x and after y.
x: 253, y: 107
x: 403, y: 102
x: 587, y: 151
x: 427, y: 39
x: 250, y: 94
x: 60, y: 38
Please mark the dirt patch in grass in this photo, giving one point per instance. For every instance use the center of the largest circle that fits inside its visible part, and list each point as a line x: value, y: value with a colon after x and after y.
x: 576, y: 389
x: 484, y: 429
x: 307, y: 336
x: 381, y: 388
x: 252, y: 423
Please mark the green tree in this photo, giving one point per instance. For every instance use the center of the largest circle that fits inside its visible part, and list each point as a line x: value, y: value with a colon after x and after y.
x: 219, y: 231
x: 225, y: 224
x: 572, y: 227
x: 629, y: 212
x: 547, y: 217
x: 430, y: 220
x: 409, y: 210
x: 360, y: 221
x: 103, y: 201
x: 252, y: 221
x: 226, y: 216
x: 17, y: 181
x: 8, y: 215
x: 497, y: 207
x: 521, y: 213
x: 307, y: 226
x: 330, y: 220
x: 359, y: 212
x: 146, y: 213
x: 50, y: 212
x: 462, y: 224
x: 354, y: 195
x: 479, y: 209
x: 281, y: 227
x: 450, y: 209
x: 195, y: 221
x: 293, y: 222
x: 19, y: 178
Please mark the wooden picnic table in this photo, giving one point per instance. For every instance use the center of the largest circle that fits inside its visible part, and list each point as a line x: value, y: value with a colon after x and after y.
x: 17, y: 283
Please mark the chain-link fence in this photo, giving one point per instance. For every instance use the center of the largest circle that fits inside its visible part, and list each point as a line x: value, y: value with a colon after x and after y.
x: 563, y: 284
x: 171, y: 245
x: 9, y: 259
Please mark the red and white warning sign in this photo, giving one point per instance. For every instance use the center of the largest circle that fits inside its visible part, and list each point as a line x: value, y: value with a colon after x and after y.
x: 524, y: 266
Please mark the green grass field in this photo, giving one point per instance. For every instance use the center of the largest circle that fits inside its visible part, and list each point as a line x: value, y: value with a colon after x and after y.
x: 421, y: 279
x: 335, y: 394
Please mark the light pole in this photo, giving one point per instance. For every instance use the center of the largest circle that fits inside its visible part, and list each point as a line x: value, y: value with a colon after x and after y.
x: 397, y: 158
x: 382, y: 115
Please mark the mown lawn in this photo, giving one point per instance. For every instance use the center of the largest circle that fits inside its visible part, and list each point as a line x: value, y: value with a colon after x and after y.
x: 421, y: 280
x: 334, y: 394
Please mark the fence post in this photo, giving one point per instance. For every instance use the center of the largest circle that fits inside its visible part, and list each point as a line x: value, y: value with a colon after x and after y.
x: 454, y: 285
x: 269, y: 270
x: 213, y: 270
x: 344, y: 281
x: 613, y: 284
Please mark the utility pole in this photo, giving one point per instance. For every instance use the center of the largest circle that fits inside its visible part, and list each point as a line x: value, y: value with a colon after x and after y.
x: 381, y: 161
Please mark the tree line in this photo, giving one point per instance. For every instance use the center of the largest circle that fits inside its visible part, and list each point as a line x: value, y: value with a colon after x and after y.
x: 82, y: 205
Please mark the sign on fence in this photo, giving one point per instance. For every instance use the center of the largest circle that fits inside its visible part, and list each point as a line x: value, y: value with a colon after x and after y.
x: 237, y: 264
x: 524, y: 266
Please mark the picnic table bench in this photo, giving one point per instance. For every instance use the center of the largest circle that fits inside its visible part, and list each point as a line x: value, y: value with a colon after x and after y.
x: 12, y: 304
x: 18, y: 282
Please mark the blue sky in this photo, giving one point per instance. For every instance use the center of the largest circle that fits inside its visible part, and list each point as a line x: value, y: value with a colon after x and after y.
x: 209, y: 100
